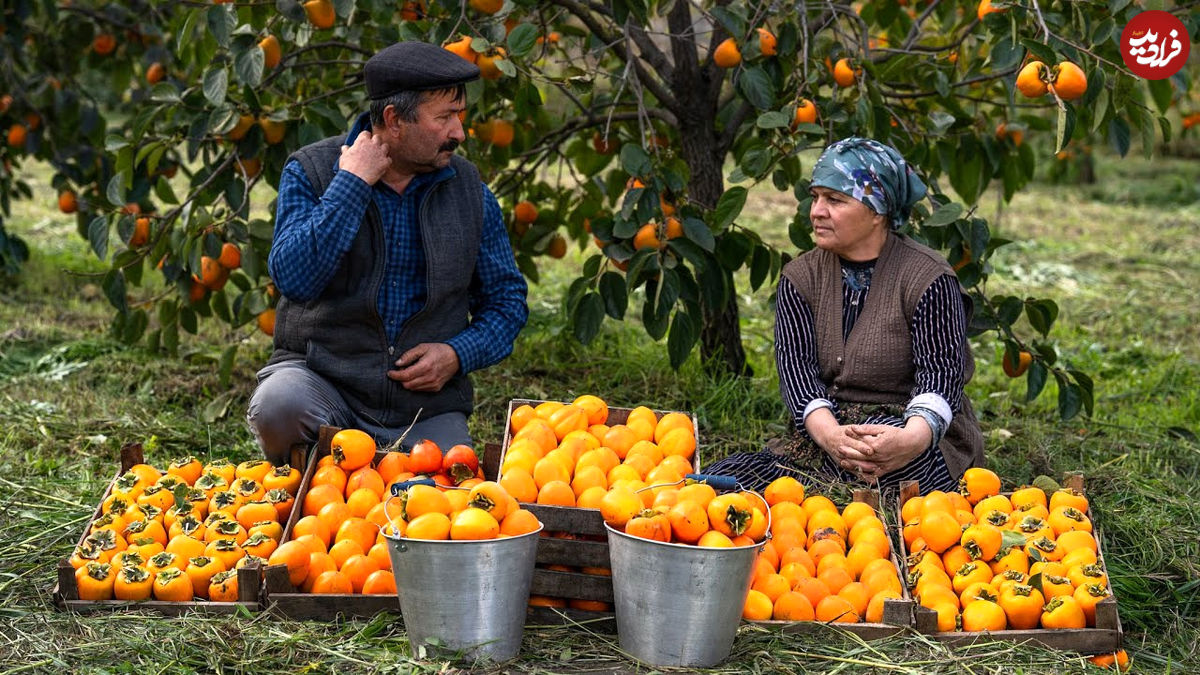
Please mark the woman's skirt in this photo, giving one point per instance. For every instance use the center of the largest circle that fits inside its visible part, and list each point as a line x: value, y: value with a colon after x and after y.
x: 799, y: 456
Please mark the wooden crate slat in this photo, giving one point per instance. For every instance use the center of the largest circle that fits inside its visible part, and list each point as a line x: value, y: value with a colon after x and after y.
x: 600, y: 622
x: 575, y: 553
x: 571, y: 585
x: 568, y: 519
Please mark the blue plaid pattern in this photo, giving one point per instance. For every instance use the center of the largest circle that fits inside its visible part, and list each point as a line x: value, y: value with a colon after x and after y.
x: 313, y: 233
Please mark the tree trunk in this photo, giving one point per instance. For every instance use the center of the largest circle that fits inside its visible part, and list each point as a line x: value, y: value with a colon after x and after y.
x: 697, y: 89
x: 721, y: 333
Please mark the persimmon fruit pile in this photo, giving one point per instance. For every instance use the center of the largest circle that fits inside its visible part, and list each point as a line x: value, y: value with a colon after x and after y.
x: 821, y: 563
x: 566, y: 454
x: 180, y: 534
x: 989, y: 561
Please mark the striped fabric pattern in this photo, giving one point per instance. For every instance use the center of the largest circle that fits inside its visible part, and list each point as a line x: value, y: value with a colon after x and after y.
x: 939, y: 340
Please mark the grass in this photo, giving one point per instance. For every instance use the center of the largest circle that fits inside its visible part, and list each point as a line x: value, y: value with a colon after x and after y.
x: 1123, y: 272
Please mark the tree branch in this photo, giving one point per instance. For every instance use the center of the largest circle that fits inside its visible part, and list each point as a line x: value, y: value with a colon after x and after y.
x: 731, y: 128
x: 650, y: 51
x: 531, y: 159
x: 961, y: 83
x: 656, y: 86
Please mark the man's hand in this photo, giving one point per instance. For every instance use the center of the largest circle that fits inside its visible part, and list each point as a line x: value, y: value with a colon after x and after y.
x: 426, y: 367
x: 367, y: 158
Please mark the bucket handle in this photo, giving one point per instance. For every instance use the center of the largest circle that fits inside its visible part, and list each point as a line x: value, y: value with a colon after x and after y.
x: 398, y: 488
x: 718, y: 482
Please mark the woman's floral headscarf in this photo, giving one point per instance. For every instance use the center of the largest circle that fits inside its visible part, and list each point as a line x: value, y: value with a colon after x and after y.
x: 873, y: 173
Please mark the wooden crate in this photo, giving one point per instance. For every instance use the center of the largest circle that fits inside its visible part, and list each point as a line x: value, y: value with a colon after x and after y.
x: 66, y: 591
x: 1105, y: 638
x: 897, y: 614
x: 278, y: 593
x: 576, y: 538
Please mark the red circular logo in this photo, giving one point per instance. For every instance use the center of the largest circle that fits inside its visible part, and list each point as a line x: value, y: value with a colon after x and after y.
x: 1155, y: 45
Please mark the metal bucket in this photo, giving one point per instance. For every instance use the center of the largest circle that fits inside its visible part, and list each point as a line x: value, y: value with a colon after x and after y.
x: 465, y: 598
x: 678, y: 605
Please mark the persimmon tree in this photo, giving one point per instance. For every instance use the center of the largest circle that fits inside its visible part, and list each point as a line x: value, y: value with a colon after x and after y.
x: 634, y: 128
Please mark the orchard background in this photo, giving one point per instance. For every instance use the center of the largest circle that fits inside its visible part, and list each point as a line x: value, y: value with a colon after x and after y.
x: 654, y: 183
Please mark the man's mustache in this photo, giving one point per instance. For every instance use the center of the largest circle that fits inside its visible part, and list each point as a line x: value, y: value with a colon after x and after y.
x: 449, y: 146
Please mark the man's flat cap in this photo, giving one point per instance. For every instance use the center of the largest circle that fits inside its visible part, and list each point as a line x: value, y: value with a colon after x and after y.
x: 415, y: 66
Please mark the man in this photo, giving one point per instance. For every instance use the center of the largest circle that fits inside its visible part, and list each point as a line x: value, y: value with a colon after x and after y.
x: 394, y: 266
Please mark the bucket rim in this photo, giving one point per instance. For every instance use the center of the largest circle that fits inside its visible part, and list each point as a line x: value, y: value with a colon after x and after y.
x: 455, y: 542
x: 689, y: 547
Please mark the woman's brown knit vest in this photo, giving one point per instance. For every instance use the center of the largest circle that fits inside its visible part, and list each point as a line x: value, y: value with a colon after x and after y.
x: 874, y: 364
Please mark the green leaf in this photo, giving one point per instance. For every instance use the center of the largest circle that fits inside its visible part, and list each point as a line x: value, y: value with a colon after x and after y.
x: 522, y: 39
x: 1040, y: 51
x: 944, y: 215
x: 114, y: 289
x: 1161, y: 91
x: 697, y: 231
x: 1041, y: 314
x: 164, y: 92
x: 772, y: 119
x: 185, y: 32
x: 1011, y: 539
x: 732, y: 21
x: 225, y: 372
x: 221, y: 22
x: 760, y: 266
x: 756, y: 86
x: 616, y: 297
x: 588, y: 315
x: 113, y: 143
x: 187, y: 320
x: 216, y: 84
x: 1069, y: 400
x: 1087, y: 388
x: 1118, y: 135
x: 1066, y: 125
x: 634, y: 160
x: 967, y: 177
x: 1009, y: 310
x: 1035, y: 380
x: 98, y: 236
x: 681, y: 339
x: 729, y: 206
x: 135, y: 326
x: 941, y: 122
x: 170, y: 338
x: 1005, y: 54
x: 1146, y: 125
x: 733, y: 250
x: 217, y: 408
x: 115, y: 192
x: 249, y: 66
x: 162, y: 190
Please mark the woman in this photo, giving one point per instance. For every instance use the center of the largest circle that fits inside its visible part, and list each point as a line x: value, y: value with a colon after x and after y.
x: 871, y: 341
